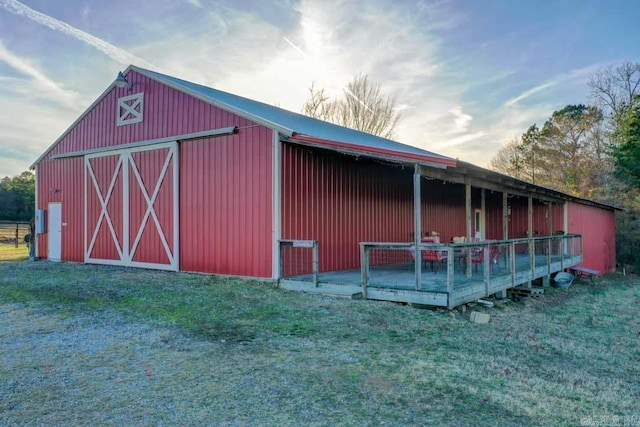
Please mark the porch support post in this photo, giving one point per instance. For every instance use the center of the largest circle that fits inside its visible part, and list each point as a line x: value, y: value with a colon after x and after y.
x: 532, y: 246
x: 483, y: 224
x: 467, y: 202
x: 530, y: 217
x: 505, y: 216
x: 417, y: 225
x: 547, y: 280
x: 565, y: 227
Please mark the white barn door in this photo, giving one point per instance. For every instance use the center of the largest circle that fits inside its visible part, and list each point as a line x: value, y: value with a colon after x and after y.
x: 131, y: 207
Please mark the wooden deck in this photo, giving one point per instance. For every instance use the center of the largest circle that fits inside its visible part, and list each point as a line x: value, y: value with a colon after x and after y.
x: 396, y: 282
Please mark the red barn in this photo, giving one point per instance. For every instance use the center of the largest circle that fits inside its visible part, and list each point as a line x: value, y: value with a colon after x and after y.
x: 163, y: 173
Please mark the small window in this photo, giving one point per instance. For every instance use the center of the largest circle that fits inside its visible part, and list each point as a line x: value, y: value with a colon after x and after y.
x: 130, y: 109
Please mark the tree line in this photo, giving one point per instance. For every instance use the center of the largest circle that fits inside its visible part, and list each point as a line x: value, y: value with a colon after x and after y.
x: 17, y: 197
x: 590, y: 151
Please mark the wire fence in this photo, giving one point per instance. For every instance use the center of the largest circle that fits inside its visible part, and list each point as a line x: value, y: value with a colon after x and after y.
x: 15, y: 233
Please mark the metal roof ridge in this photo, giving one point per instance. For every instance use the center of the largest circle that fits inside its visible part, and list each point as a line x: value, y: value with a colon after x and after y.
x: 287, y: 131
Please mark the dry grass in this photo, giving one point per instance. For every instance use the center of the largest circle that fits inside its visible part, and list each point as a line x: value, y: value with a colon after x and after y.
x: 84, y: 345
x: 9, y: 252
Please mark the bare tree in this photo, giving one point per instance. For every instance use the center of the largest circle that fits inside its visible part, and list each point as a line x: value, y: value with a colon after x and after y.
x: 613, y: 88
x: 510, y: 160
x: 363, y: 107
x: 318, y: 105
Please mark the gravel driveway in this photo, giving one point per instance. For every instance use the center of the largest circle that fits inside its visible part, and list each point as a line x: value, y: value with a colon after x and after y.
x: 103, y: 370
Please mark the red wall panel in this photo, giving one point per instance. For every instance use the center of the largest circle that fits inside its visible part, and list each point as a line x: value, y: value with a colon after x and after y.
x: 341, y: 201
x: 598, y: 229
x: 519, y: 218
x: 493, y: 215
x: 225, y: 204
x: 65, y: 176
x: 443, y: 209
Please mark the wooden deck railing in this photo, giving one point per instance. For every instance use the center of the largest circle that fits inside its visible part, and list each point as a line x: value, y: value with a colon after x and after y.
x: 302, y: 259
x: 490, y: 265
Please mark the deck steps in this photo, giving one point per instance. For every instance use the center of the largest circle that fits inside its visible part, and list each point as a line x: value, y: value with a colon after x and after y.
x: 525, y: 292
x: 337, y: 291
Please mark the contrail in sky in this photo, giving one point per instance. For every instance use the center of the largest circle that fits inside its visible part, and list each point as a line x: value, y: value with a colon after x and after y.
x: 25, y: 68
x: 114, y: 52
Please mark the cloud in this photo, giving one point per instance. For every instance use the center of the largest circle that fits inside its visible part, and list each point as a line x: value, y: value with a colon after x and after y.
x: 46, y: 85
x: 461, y: 121
x: 459, y: 140
x: 195, y: 3
x: 114, y: 52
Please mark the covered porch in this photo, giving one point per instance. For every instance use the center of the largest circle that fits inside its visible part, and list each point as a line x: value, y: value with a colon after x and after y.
x: 356, y: 226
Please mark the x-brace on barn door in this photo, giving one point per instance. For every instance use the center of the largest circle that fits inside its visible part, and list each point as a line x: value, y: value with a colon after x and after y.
x: 131, y: 207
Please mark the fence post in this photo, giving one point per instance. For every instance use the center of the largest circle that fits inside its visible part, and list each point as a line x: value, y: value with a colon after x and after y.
x: 564, y: 242
x: 364, y: 267
x: 17, y: 225
x: 316, y: 264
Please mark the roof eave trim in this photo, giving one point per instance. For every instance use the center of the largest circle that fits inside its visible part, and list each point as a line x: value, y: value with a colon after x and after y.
x: 442, y: 162
x: 78, y: 120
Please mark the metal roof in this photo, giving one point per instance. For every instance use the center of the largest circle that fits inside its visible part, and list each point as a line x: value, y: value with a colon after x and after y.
x: 289, y: 123
x: 302, y: 129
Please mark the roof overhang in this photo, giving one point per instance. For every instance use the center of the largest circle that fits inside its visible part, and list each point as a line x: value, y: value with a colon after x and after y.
x: 467, y: 173
x: 373, y: 152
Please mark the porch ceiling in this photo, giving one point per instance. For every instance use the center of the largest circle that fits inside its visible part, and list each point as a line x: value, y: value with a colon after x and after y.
x: 467, y: 173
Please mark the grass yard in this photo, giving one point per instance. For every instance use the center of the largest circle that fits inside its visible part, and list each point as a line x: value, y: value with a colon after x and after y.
x: 85, y: 345
x: 9, y: 252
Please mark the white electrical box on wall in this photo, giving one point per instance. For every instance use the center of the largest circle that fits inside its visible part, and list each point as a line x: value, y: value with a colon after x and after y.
x: 40, y: 223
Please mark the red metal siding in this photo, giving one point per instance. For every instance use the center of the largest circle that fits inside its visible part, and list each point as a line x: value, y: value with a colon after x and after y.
x: 65, y: 177
x: 519, y: 218
x: 443, y: 209
x: 598, y: 229
x: 226, y: 204
x: 493, y: 215
x: 342, y: 201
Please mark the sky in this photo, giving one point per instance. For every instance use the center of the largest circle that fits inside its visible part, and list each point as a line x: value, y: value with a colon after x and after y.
x: 468, y: 75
